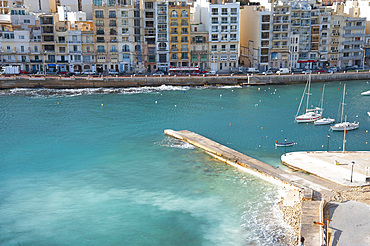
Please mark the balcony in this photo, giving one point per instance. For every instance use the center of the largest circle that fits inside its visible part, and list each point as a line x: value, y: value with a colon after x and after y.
x: 335, y: 34
x: 351, y: 50
x: 353, y: 27
x: 74, y: 42
x: 62, y: 61
x: 35, y: 61
x: 75, y: 51
x: 352, y: 42
x: 352, y: 58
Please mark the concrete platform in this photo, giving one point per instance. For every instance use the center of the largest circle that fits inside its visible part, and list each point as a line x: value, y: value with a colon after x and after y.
x: 333, y: 166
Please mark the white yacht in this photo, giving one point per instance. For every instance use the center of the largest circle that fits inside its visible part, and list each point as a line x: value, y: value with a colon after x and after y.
x: 345, y: 126
x: 324, y: 121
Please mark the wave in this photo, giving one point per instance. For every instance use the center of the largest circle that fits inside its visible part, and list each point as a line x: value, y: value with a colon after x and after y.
x: 175, y: 143
x: 45, y: 92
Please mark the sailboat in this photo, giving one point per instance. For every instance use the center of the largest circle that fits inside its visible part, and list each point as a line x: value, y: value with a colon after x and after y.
x: 311, y: 115
x: 344, y: 126
x: 323, y: 121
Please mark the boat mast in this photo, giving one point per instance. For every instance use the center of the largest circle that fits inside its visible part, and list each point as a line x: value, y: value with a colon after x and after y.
x: 344, y: 93
x: 308, y: 91
x: 322, y: 100
x: 300, y: 104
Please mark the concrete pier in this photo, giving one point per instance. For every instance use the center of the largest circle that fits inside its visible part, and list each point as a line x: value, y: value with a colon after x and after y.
x: 312, y: 189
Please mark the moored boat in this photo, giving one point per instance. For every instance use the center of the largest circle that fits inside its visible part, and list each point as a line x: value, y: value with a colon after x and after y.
x: 365, y: 93
x: 284, y: 144
x: 324, y: 121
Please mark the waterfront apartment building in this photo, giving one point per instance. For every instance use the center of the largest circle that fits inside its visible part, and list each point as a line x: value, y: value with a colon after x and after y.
x: 221, y: 20
x: 179, y: 39
x: 294, y: 35
x: 199, y: 46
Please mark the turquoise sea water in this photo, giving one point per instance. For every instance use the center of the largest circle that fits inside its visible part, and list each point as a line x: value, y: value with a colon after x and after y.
x: 93, y: 167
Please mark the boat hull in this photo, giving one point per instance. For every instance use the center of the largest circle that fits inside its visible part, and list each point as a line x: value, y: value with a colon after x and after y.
x: 366, y: 93
x: 306, y: 119
x: 284, y: 144
x: 345, y: 126
x: 324, y: 121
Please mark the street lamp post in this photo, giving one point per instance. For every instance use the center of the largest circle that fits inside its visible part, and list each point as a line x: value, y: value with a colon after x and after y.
x: 353, y: 163
x: 327, y: 146
x: 285, y: 147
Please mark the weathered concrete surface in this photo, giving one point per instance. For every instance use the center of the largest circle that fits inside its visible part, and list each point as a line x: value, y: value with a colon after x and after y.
x: 309, y: 230
x: 350, y: 223
x: 333, y: 166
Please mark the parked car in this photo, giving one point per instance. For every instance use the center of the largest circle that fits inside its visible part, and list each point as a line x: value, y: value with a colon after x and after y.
x: 62, y: 72
x: 283, y: 71
x: 252, y: 70
x: 88, y: 72
x: 24, y: 72
x: 158, y: 73
x: 211, y: 73
x: 297, y: 70
x: 307, y: 71
x: 332, y: 70
x: 112, y: 72
x: 268, y: 72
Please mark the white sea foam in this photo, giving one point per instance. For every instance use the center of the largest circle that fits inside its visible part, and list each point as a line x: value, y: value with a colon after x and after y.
x: 44, y: 92
x: 175, y: 143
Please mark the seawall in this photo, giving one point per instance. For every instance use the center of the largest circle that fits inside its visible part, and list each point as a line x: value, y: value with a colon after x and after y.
x: 61, y: 82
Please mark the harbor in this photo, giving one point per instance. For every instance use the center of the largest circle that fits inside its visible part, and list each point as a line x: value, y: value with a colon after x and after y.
x: 63, y: 82
x: 315, y: 190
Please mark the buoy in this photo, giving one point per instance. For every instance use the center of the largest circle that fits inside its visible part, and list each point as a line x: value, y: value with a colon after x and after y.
x: 261, y: 127
x: 279, y: 96
x: 366, y: 142
x: 220, y: 95
x: 156, y: 102
x: 58, y: 102
x: 259, y: 146
x: 322, y: 146
x: 366, y: 131
x: 28, y: 99
x: 266, y: 136
x: 259, y: 88
x: 102, y: 105
x: 232, y: 90
x: 281, y: 130
x: 230, y: 124
x: 296, y: 99
x: 261, y: 136
x: 175, y: 106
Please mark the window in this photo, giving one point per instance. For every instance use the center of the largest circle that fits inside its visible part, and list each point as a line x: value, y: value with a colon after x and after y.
x: 214, y: 37
x: 36, y: 49
x: 214, y: 20
x: 234, y: 20
x: 77, y: 57
x: 124, y: 14
x: 22, y: 48
x: 232, y: 47
x: 214, y: 48
x: 125, y: 48
x: 224, y: 20
x: 125, y: 39
x: 173, y: 22
x: 99, y: 23
x: 174, y: 40
x: 224, y: 11
x: 184, y: 40
x: 26, y: 21
x: 184, y: 56
x: 114, y: 48
x: 223, y: 37
x: 184, y: 31
x: 101, y: 48
x: 174, y: 56
x: 126, y: 57
x: 184, y: 14
x: 112, y: 23
x: 100, y: 39
x: 99, y: 31
x: 112, y: 14
x: 223, y: 58
x: 124, y: 22
x: 184, y: 22
x: 125, y: 31
x: 99, y: 14
x: 97, y: 2
x: 184, y: 47
x: 234, y: 11
x: 223, y: 28
x: 214, y: 57
x: 214, y: 28
x: 21, y: 37
x: 232, y: 36
x: 174, y: 14
x: 214, y: 11
x: 162, y: 58
x: 223, y: 47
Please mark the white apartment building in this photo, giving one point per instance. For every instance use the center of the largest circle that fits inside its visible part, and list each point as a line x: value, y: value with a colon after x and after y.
x: 162, y: 36
x: 125, y: 30
x: 221, y: 19
x: 15, y: 49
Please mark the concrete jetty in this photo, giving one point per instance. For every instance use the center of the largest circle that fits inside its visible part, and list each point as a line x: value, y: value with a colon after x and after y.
x: 311, y: 188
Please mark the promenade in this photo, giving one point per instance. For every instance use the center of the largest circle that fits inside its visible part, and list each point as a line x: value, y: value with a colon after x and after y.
x: 310, y: 191
x: 64, y: 82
